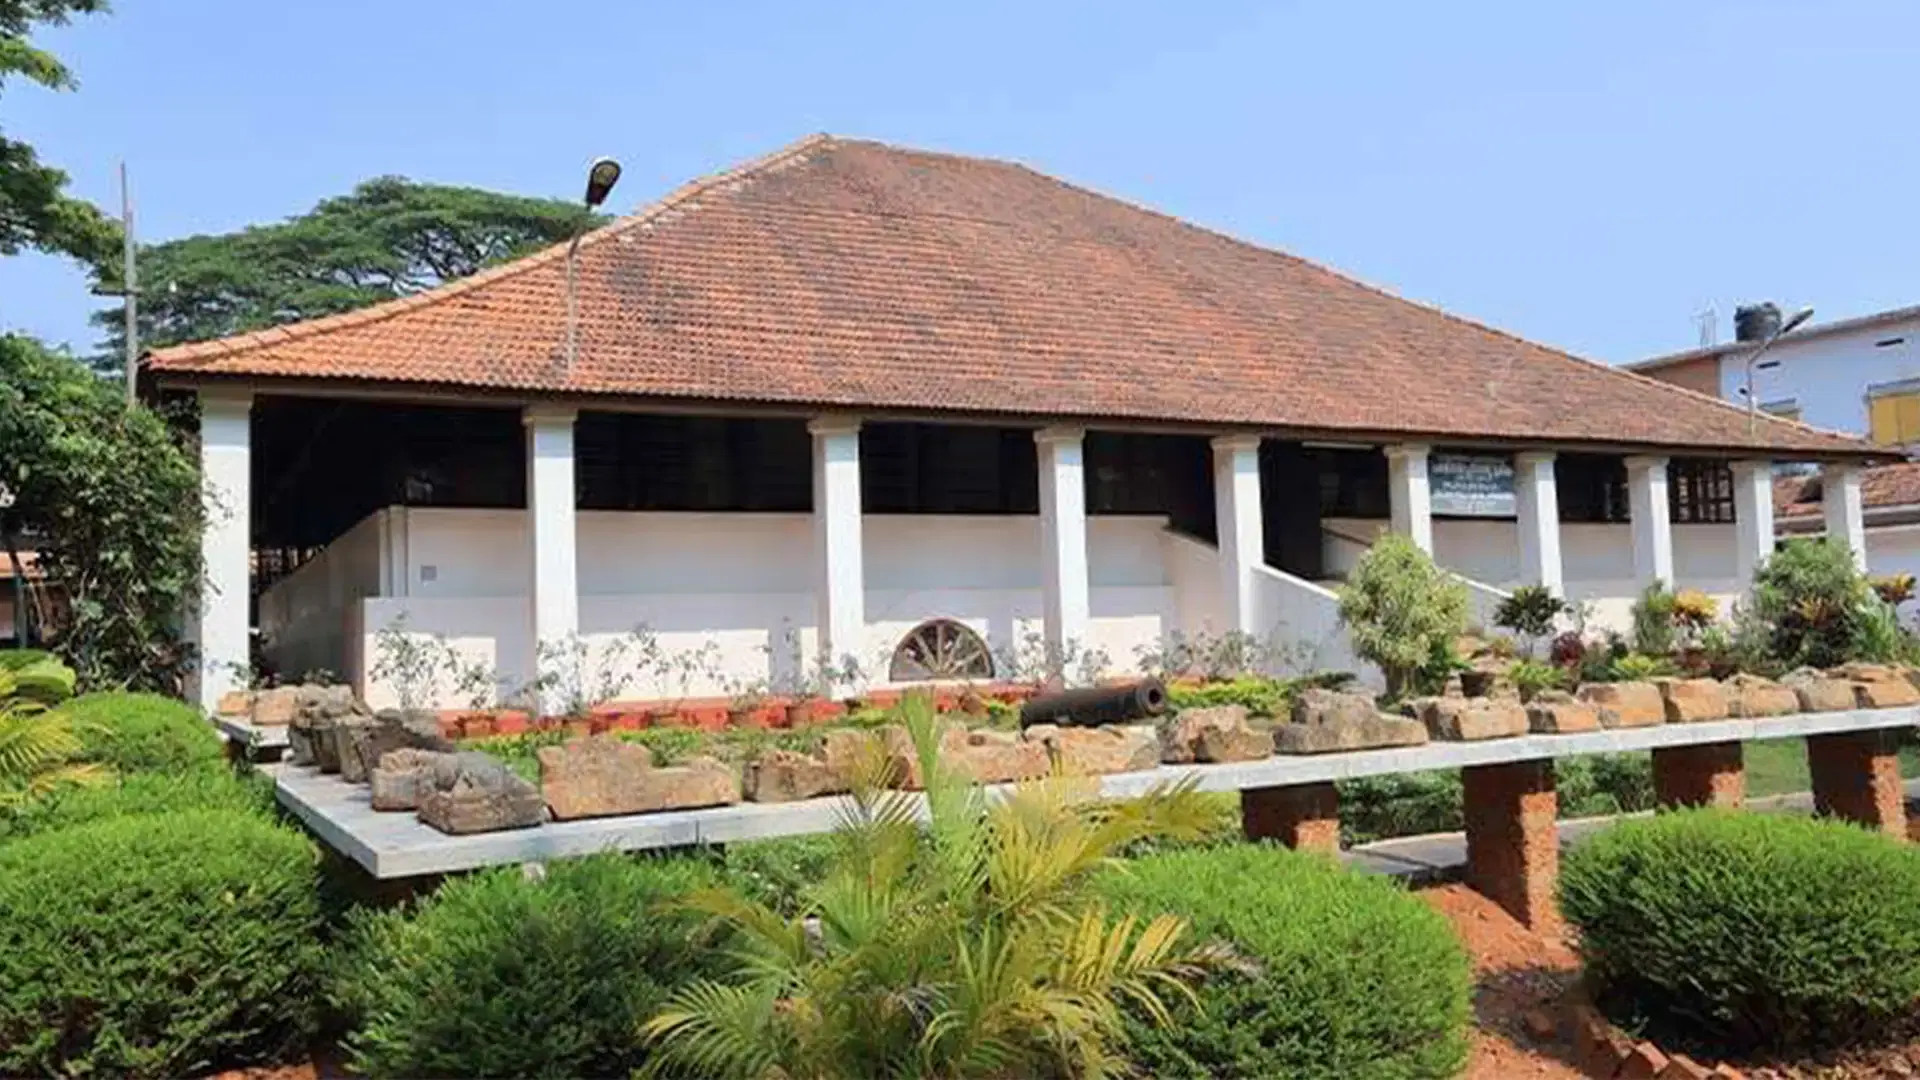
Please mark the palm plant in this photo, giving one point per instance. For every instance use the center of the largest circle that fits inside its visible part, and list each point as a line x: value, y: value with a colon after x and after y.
x: 37, y: 742
x: 964, y: 947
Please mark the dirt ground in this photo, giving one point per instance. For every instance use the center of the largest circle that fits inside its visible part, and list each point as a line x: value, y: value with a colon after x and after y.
x: 1518, y: 977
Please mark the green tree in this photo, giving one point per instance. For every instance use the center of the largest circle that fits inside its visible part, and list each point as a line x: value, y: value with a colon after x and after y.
x: 1401, y: 609
x: 34, y: 210
x: 391, y: 237
x: 112, y: 504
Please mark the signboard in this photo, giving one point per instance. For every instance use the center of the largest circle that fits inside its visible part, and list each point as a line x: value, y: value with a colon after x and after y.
x: 1468, y: 485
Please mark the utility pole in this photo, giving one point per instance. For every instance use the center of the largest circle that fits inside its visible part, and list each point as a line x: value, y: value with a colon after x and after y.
x: 129, y: 290
x: 132, y: 287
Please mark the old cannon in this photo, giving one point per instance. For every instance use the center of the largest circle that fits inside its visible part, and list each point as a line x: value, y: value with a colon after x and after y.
x: 1093, y: 706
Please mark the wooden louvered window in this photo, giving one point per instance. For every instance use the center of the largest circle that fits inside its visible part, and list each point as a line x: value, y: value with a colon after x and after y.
x: 1699, y: 492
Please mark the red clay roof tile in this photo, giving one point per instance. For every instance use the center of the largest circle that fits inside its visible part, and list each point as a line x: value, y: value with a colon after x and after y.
x: 843, y: 273
x: 1880, y: 488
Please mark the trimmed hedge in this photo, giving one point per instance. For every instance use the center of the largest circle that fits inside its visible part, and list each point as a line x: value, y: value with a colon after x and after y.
x: 130, y: 732
x: 1355, y: 977
x: 495, y: 975
x: 156, y: 945
x: 1735, y: 932
x: 141, y: 793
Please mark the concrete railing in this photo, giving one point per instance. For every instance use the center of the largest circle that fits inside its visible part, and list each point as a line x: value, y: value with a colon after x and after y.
x: 1482, y: 601
x: 1303, y: 621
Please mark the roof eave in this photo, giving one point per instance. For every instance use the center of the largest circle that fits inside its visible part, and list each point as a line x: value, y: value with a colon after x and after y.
x: 424, y: 393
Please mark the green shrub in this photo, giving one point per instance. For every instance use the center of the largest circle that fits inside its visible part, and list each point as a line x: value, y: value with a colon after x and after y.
x: 1400, y: 804
x: 1530, y: 611
x: 1530, y: 677
x: 130, y: 732
x: 495, y: 975
x: 1653, y: 620
x: 1353, y: 976
x: 1401, y: 610
x: 1639, y: 667
x: 1260, y: 695
x: 1813, y: 598
x: 1413, y: 804
x: 776, y: 872
x: 1734, y: 932
x: 1593, y: 785
x: 156, y: 945
x: 141, y: 793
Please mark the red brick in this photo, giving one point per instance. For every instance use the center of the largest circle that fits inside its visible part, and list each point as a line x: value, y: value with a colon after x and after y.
x: 1682, y: 1067
x: 840, y: 273
x: 1305, y: 817
x: 1513, y: 842
x: 1645, y: 1063
x: 1708, y: 774
x: 1856, y: 777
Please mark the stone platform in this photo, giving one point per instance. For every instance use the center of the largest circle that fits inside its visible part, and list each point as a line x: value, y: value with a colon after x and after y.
x: 397, y: 845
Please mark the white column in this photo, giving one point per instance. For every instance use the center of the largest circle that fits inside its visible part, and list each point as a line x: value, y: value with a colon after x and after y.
x: 1753, y: 516
x: 554, y: 607
x: 1065, y: 606
x: 1237, y: 519
x: 1652, y: 521
x: 226, y: 436
x: 1412, y: 501
x: 1840, y: 502
x: 840, y: 580
x: 1537, y: 496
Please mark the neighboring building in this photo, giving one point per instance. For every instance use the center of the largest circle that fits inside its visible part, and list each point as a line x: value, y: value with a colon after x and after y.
x: 1855, y: 375
x: 916, y: 408
x: 1890, y: 508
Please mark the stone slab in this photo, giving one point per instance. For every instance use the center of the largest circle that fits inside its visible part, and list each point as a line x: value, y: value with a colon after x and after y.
x: 239, y: 730
x: 397, y: 846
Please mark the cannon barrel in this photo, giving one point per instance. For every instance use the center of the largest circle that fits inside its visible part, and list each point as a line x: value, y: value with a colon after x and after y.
x: 1095, y: 705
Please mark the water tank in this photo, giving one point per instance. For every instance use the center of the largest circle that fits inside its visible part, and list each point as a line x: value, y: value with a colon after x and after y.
x: 1756, y: 322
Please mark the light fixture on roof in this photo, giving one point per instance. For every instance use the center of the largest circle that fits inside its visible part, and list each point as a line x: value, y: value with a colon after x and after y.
x: 601, y: 176
x: 1791, y: 323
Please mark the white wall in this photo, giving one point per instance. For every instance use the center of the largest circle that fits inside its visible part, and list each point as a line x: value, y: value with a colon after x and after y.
x: 739, y: 580
x: 1596, y: 559
x: 1828, y: 375
x: 303, y: 616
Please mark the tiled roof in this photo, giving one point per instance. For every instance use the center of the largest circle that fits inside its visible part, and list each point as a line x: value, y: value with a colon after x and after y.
x: 1880, y: 488
x: 844, y: 273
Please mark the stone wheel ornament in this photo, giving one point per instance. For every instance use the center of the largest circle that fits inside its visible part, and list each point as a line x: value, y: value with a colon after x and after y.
x: 940, y: 649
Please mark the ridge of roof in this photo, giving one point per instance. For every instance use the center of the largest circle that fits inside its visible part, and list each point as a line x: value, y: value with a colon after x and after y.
x: 1388, y: 293
x: 386, y: 309
x: 1508, y: 362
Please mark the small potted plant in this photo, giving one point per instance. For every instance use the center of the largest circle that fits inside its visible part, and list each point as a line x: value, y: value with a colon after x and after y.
x: 748, y: 708
x: 1694, y: 612
x: 814, y: 702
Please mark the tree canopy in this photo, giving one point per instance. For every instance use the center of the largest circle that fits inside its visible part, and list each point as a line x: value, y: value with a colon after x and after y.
x: 35, y: 211
x: 391, y: 237
x: 111, y: 502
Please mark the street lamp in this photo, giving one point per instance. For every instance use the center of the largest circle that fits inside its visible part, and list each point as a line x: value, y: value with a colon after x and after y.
x: 601, y: 176
x: 1753, y: 403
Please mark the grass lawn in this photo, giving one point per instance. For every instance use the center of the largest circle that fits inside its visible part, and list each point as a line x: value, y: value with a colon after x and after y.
x: 1779, y: 766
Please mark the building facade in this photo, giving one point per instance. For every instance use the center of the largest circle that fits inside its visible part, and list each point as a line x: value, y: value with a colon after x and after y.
x: 1860, y: 376
x: 930, y: 417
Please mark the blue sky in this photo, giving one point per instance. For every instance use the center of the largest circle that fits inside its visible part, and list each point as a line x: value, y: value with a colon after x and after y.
x: 1587, y: 175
